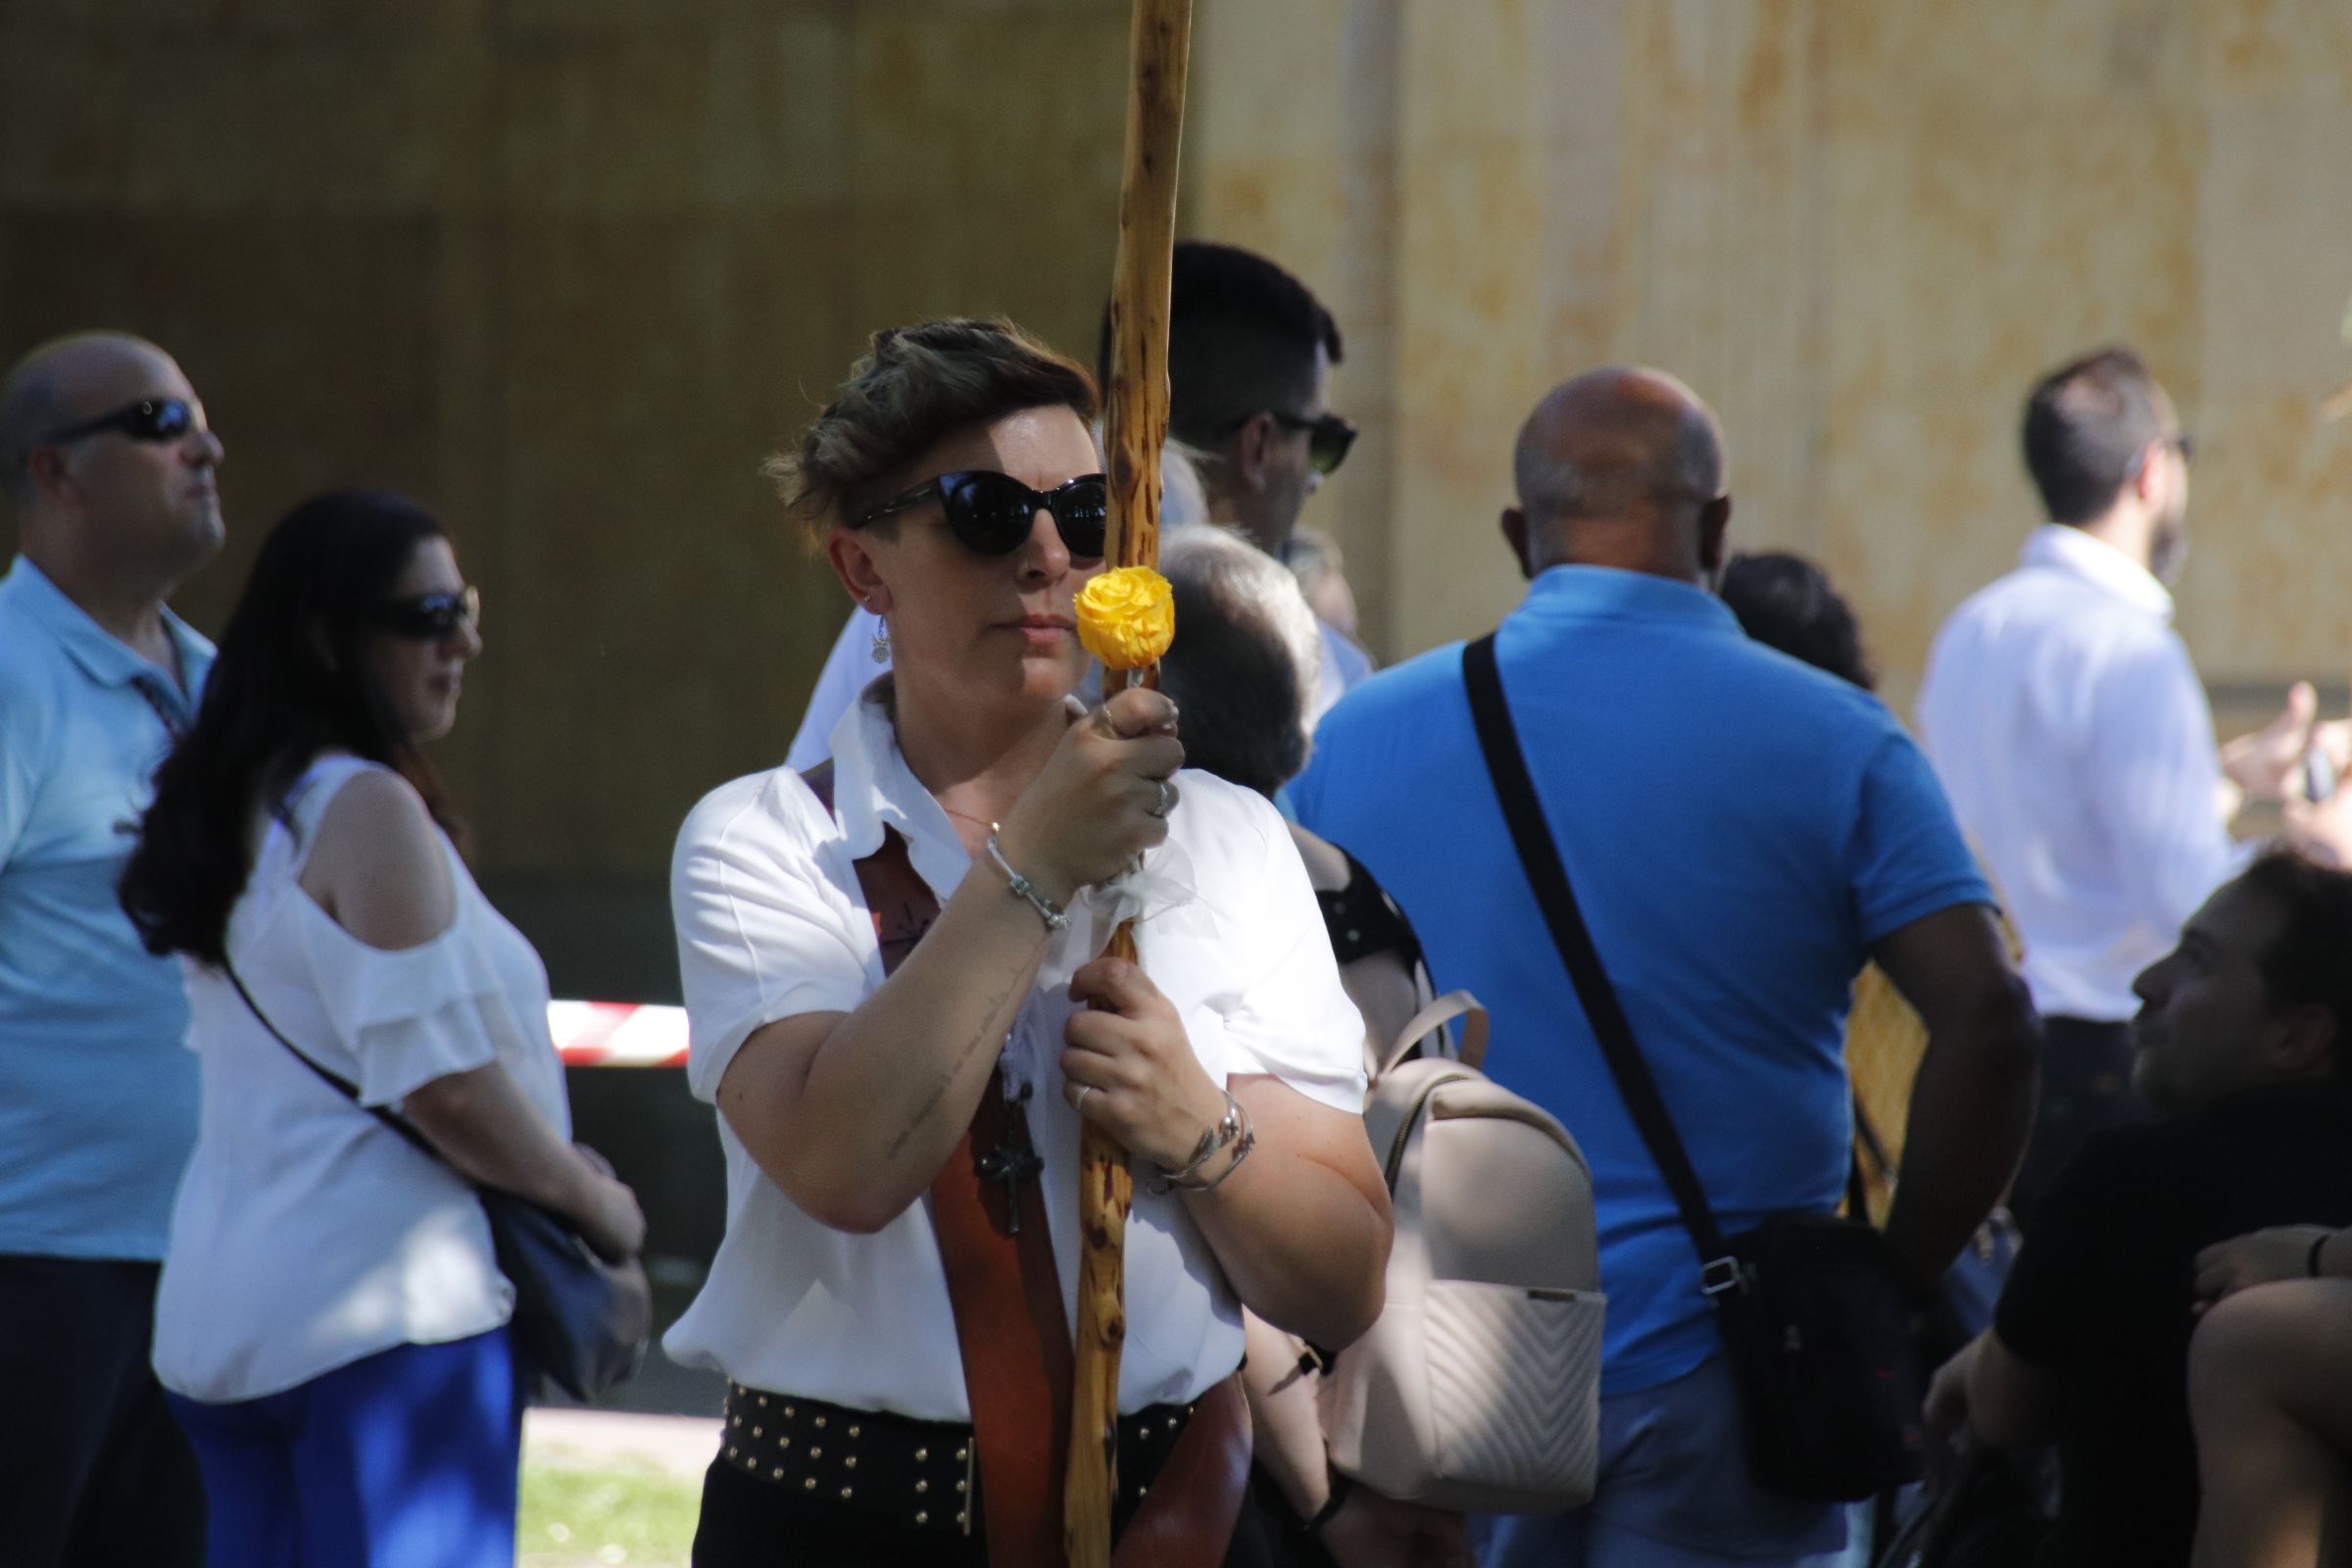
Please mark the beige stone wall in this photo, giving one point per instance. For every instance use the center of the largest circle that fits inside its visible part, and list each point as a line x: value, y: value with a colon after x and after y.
x: 1858, y: 228
x: 568, y: 268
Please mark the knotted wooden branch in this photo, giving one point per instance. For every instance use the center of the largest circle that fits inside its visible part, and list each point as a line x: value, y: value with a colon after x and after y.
x: 1136, y: 427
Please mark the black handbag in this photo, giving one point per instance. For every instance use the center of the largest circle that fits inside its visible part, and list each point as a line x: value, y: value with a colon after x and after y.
x: 1815, y: 1327
x: 581, y: 1321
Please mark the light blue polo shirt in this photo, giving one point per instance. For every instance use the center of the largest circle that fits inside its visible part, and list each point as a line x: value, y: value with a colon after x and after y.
x: 1738, y: 827
x: 97, y: 1087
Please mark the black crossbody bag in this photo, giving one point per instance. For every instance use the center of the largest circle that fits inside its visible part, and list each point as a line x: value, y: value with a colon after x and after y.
x: 1815, y: 1326
x: 581, y: 1321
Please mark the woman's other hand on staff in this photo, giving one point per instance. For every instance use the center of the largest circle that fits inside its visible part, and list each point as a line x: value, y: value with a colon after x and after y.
x: 1101, y: 799
x: 1131, y: 1068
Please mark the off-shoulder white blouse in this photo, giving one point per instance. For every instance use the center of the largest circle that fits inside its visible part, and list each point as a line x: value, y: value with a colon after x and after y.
x: 307, y: 1235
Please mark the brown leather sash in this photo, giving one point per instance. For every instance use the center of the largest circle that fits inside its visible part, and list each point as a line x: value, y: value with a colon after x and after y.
x: 1013, y: 1336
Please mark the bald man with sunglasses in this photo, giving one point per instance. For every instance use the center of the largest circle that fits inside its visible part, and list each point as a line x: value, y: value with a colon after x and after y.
x: 108, y: 467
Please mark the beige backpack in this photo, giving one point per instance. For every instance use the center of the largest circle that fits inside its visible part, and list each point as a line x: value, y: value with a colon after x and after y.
x: 1478, y: 1388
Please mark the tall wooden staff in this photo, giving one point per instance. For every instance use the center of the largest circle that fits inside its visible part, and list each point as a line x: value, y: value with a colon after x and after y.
x: 1136, y: 424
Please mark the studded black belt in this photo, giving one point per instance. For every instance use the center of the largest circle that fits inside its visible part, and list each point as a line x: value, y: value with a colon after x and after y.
x: 921, y: 1475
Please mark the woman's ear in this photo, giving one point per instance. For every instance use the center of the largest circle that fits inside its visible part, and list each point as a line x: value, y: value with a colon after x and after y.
x: 2307, y: 1047
x: 852, y: 554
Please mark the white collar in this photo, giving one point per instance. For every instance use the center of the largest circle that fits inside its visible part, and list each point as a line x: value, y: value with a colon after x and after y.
x: 2093, y: 561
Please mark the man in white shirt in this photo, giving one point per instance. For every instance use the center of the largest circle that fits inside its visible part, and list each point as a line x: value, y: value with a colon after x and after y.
x: 1250, y: 357
x: 2074, y: 738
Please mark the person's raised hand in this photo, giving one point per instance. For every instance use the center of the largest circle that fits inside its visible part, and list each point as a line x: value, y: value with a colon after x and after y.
x: 2280, y: 1252
x: 2269, y: 763
x: 2320, y: 830
x: 1101, y: 799
x: 1131, y: 1069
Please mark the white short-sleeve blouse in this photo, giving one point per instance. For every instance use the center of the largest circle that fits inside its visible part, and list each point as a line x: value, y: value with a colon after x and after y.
x: 307, y: 1234
x: 771, y: 925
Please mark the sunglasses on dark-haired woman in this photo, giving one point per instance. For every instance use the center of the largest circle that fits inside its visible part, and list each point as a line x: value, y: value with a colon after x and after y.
x: 991, y: 514
x: 431, y: 617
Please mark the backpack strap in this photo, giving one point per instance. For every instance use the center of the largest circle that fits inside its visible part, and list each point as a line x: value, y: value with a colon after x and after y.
x: 1002, y: 1284
x: 1451, y: 1006
x: 1548, y: 877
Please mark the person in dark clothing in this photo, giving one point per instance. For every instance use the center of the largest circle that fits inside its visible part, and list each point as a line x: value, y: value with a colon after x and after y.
x: 2238, y: 1048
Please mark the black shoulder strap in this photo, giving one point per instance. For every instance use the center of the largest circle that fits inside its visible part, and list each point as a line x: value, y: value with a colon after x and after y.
x: 1549, y: 878
x: 342, y: 1086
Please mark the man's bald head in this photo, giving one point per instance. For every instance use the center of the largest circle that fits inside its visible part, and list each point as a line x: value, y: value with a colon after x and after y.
x: 1617, y: 441
x: 62, y: 383
x: 107, y: 462
x: 1632, y: 449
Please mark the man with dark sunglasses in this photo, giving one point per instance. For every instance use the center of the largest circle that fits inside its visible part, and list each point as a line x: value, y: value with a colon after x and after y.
x: 1251, y: 352
x: 108, y: 467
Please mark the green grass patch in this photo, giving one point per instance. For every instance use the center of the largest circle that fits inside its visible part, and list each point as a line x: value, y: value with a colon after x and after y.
x: 622, y: 1513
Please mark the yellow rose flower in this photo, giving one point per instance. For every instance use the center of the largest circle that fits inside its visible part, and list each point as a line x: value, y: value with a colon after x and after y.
x: 1127, y: 617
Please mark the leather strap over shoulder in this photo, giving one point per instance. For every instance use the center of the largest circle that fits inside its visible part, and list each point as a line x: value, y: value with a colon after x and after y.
x: 1010, y: 1331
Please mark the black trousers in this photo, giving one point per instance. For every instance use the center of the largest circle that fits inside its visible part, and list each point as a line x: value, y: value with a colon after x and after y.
x: 746, y: 1523
x: 94, y: 1470
x: 2086, y: 1087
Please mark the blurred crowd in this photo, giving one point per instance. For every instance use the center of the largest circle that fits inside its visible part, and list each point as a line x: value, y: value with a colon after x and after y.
x: 2042, y: 987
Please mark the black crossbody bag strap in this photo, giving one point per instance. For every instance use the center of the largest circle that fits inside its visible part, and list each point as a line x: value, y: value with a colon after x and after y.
x: 1548, y: 876
x: 342, y: 1086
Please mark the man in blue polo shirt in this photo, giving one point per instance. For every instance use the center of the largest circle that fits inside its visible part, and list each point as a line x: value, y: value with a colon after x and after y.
x: 109, y: 469
x: 1743, y: 833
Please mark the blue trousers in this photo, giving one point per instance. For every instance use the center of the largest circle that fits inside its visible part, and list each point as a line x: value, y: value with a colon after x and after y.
x: 408, y: 1459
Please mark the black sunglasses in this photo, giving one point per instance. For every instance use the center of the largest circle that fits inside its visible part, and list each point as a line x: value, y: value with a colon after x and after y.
x: 1328, y: 440
x: 431, y: 617
x: 149, y: 419
x: 991, y: 514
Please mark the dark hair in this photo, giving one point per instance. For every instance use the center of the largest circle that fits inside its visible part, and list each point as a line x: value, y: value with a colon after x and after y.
x: 1241, y: 338
x: 2087, y: 424
x: 2307, y: 963
x: 1787, y: 602
x: 913, y: 388
x: 287, y: 684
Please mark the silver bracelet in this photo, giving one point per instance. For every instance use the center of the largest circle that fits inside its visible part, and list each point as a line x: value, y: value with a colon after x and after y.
x: 1241, y: 1152
x: 1224, y: 1132
x: 1022, y: 888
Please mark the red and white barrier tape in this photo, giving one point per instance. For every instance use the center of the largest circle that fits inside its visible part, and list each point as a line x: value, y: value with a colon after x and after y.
x: 617, y: 1034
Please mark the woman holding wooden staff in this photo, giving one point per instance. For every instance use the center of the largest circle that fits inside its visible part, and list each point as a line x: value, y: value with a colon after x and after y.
x: 891, y: 969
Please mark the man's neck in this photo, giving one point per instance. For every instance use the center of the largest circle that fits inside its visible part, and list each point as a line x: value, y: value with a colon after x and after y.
x: 1674, y: 567
x: 1223, y: 514
x: 2126, y: 530
x: 132, y: 613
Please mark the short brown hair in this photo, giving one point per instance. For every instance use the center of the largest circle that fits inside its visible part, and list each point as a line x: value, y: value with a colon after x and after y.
x: 913, y: 388
x: 2087, y: 424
